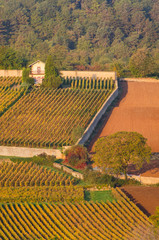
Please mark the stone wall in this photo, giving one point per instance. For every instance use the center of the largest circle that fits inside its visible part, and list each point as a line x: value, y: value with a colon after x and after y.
x: 143, y: 180
x: 139, y: 80
x: 27, y: 152
x: 89, y: 130
x: 10, y: 73
x: 149, y: 180
x: 89, y: 74
x: 57, y: 165
x: 68, y: 170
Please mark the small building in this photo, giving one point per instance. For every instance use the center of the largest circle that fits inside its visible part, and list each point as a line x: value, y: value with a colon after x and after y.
x: 37, y: 71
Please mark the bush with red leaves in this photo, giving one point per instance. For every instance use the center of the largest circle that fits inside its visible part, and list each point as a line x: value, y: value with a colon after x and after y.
x: 77, y: 156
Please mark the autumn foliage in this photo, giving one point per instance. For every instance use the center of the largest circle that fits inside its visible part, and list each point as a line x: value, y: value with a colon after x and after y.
x: 77, y: 156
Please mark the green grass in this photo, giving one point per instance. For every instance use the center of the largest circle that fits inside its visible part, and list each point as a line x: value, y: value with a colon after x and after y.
x: 99, y: 196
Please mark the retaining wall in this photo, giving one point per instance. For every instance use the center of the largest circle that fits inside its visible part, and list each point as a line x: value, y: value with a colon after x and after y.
x: 149, y: 180
x: 27, y: 152
x: 89, y: 130
x: 68, y: 170
x: 139, y: 80
x: 10, y: 73
x: 89, y: 74
x: 143, y: 180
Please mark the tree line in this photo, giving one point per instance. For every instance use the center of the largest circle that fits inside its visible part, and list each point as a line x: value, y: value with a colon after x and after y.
x: 81, y: 34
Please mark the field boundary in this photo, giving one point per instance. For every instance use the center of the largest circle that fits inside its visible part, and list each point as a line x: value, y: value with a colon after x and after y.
x: 89, y: 74
x: 139, y: 80
x: 142, y: 179
x: 89, y: 130
x: 28, y: 152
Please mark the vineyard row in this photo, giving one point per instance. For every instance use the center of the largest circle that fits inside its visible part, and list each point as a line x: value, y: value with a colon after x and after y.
x: 30, y: 174
x: 67, y: 221
x: 46, y: 118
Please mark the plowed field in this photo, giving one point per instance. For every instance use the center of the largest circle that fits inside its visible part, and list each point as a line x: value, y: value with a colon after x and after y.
x: 137, y: 110
x: 146, y: 198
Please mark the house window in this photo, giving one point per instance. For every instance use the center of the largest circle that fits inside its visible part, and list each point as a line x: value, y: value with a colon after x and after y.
x: 38, y: 70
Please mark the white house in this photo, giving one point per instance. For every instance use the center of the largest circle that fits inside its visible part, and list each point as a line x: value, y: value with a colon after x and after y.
x: 37, y: 71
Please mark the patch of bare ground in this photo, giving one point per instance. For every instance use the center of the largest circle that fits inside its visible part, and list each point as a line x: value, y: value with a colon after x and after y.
x: 137, y: 110
x: 146, y: 198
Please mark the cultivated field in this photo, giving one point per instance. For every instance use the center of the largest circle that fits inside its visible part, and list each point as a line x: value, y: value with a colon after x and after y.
x: 8, y: 97
x: 74, y: 221
x: 46, y: 118
x: 138, y: 110
x: 10, y: 81
x: 147, y: 198
x: 29, y: 174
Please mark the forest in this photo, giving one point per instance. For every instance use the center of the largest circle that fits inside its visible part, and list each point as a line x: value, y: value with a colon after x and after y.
x: 81, y: 34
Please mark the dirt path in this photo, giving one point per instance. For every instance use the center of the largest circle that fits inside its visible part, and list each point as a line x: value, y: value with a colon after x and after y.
x: 146, y: 198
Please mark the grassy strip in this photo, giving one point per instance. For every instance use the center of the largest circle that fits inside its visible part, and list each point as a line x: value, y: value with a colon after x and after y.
x: 41, y: 194
x: 99, y: 196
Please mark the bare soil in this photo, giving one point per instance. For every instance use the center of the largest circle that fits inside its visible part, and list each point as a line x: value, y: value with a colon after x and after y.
x: 137, y: 110
x: 146, y: 198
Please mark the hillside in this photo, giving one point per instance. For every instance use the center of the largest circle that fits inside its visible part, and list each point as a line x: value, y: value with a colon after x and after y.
x: 47, y: 118
x: 98, y: 34
x: 28, y: 211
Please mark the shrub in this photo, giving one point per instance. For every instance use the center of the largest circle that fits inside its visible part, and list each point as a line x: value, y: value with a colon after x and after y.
x: 77, y: 156
x: 44, y: 159
x: 94, y: 177
x: 52, y: 82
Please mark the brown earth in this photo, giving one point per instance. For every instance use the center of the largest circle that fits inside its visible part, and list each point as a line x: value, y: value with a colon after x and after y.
x: 146, y: 198
x: 137, y: 110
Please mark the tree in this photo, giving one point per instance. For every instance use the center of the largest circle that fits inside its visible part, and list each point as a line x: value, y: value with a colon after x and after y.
x: 77, y: 156
x: 52, y: 75
x: 25, y: 77
x: 9, y: 59
x: 155, y: 218
x: 119, y: 150
x: 141, y: 63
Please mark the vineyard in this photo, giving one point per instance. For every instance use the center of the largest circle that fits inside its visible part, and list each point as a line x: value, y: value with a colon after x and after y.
x: 43, y: 203
x: 74, y: 221
x: 29, y: 174
x: 10, y: 81
x: 41, y: 194
x: 46, y: 118
x: 8, y: 97
x: 87, y: 83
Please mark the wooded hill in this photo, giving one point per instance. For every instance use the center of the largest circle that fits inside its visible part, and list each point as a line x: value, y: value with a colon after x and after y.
x: 91, y: 34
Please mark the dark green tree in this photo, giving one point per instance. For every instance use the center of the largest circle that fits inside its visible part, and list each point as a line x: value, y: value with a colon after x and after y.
x: 26, y: 80
x: 52, y: 76
x: 118, y: 150
x: 141, y: 63
x: 9, y: 59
